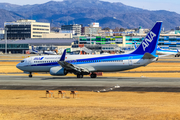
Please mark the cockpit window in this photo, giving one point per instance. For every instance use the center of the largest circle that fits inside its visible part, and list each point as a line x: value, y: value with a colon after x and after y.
x: 22, y: 61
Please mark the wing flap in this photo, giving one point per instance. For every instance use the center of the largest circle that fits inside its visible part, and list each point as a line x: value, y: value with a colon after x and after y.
x: 68, y: 66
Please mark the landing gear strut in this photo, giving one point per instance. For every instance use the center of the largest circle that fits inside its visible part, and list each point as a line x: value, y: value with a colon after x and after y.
x: 93, y: 75
x: 30, y: 75
x: 79, y: 76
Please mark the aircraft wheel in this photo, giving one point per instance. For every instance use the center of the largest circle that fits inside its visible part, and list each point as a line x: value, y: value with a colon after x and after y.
x: 81, y: 76
x: 30, y: 76
x: 93, y: 75
x: 78, y: 76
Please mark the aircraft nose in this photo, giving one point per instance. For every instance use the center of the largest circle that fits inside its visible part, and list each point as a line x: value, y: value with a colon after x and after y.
x: 18, y: 66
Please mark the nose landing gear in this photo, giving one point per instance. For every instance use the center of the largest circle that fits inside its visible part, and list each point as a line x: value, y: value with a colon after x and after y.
x: 30, y: 75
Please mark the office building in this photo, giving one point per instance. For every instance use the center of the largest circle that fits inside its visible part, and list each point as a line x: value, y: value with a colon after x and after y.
x: 22, y: 29
x: 1, y: 34
x: 91, y: 31
x: 76, y: 28
x: 94, y: 24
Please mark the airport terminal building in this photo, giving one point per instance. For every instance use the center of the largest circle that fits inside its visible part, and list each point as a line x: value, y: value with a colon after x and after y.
x: 21, y: 46
x: 165, y: 42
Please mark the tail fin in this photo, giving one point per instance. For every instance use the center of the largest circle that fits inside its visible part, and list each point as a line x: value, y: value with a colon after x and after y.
x: 34, y: 49
x: 177, y: 50
x: 149, y: 44
x: 135, y: 45
x: 158, y: 48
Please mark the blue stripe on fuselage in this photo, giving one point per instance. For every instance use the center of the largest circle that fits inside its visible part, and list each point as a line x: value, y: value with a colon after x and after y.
x: 94, y: 60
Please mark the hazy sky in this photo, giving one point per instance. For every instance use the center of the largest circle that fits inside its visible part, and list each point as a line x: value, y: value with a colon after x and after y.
x: 170, y: 5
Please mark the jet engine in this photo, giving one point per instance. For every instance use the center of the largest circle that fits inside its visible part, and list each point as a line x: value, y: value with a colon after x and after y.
x: 58, y: 71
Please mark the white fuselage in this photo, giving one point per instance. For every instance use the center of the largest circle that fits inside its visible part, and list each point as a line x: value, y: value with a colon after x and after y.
x: 103, y: 63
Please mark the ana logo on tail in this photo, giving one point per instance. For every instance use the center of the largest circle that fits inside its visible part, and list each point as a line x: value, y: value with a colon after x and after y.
x: 146, y: 42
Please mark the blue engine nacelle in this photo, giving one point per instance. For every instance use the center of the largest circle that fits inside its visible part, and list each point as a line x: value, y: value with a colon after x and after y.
x: 58, y: 71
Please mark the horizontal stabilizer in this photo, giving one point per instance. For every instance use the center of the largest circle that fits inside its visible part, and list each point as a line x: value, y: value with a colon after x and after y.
x: 148, y: 56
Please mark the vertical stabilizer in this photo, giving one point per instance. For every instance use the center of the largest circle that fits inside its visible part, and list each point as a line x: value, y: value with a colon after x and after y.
x: 34, y: 49
x: 135, y: 45
x: 149, y: 44
x: 158, y: 48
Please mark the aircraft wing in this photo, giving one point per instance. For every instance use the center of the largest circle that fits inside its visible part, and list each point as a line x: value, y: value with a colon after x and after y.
x: 70, y: 67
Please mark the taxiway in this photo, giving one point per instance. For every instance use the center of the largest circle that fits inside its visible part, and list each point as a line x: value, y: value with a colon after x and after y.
x: 89, y: 84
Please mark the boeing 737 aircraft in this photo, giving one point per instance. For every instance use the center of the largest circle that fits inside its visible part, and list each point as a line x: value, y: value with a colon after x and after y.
x: 89, y: 64
x: 167, y: 52
x: 42, y: 52
x: 163, y: 51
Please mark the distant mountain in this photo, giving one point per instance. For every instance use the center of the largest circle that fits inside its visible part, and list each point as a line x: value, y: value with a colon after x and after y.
x: 8, y: 16
x: 8, y: 6
x: 86, y: 11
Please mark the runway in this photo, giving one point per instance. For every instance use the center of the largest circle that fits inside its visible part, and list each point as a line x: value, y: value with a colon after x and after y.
x: 89, y: 84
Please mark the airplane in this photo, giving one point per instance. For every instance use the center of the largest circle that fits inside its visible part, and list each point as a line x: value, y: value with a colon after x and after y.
x: 135, y: 45
x: 163, y: 51
x: 34, y: 51
x: 89, y: 64
x: 168, y: 52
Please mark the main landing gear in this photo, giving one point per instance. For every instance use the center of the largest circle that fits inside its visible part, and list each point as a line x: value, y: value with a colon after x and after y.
x: 177, y: 55
x: 30, y: 75
x: 79, y: 76
x: 93, y: 75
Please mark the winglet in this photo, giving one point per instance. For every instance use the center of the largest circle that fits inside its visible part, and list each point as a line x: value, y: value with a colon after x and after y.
x: 63, y: 56
x: 158, y: 48
x: 177, y: 50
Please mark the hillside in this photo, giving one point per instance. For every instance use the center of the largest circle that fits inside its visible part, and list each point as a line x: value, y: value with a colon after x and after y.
x: 8, y: 16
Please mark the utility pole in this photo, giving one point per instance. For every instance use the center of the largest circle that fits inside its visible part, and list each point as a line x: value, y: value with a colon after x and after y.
x: 90, y: 37
x: 6, y: 40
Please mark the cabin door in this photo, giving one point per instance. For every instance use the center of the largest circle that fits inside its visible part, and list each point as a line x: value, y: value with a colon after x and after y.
x: 29, y: 61
x: 130, y: 60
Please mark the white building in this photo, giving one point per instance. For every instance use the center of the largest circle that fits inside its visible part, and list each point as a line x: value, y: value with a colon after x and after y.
x: 22, y: 29
x: 1, y: 34
x: 94, y: 24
